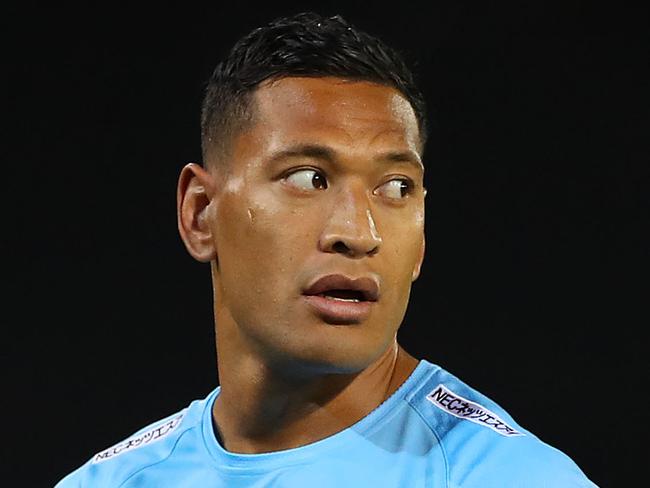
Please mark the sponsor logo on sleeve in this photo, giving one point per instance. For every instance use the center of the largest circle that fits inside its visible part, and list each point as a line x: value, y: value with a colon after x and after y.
x: 152, y: 435
x: 460, y: 407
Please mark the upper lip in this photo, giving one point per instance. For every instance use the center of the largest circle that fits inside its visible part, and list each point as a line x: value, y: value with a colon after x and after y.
x: 366, y: 285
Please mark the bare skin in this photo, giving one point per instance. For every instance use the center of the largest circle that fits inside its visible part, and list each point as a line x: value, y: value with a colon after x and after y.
x: 274, y: 223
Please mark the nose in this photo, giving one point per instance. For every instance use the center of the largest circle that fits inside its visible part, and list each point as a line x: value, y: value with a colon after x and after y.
x: 350, y: 228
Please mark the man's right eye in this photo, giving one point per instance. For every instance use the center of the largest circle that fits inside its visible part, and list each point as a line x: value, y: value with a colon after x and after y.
x: 307, y: 179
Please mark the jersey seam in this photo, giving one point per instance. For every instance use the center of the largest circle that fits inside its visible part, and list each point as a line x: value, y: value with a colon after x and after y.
x: 161, y: 460
x: 433, y: 431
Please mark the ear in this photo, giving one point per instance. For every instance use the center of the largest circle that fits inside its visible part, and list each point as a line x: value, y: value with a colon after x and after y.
x: 418, y: 266
x: 193, y: 200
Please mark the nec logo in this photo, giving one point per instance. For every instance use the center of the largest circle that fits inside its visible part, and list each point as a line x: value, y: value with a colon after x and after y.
x: 147, y: 437
x: 460, y: 407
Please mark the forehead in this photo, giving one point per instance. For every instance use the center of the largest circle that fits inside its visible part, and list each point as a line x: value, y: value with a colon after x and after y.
x: 351, y: 113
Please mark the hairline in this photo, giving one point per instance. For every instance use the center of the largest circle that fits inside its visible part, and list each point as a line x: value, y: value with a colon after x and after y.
x: 245, y: 120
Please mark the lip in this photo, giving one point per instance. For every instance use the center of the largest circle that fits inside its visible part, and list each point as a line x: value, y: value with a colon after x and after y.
x: 369, y: 286
x: 338, y: 312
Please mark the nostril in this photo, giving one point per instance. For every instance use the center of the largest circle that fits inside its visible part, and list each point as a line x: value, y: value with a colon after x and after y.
x: 340, y: 247
x: 353, y: 248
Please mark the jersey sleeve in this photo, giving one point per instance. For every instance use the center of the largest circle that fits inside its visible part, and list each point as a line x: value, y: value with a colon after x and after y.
x: 72, y: 480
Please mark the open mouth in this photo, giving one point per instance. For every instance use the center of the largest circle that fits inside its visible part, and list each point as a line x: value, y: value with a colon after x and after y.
x: 338, y: 299
x: 340, y: 307
x: 344, y: 295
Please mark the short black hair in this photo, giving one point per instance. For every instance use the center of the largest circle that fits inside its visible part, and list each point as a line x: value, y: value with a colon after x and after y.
x: 306, y: 44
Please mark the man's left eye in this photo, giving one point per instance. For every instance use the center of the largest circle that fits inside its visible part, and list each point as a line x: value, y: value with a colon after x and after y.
x: 397, y: 189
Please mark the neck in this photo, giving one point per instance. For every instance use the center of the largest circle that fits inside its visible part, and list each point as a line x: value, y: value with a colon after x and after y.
x: 260, y: 409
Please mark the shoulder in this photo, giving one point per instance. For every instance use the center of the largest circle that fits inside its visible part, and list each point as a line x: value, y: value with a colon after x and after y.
x: 482, y: 442
x: 148, y: 446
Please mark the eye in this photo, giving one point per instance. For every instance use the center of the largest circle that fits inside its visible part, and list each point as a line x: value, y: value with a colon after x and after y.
x: 307, y: 179
x: 397, y: 188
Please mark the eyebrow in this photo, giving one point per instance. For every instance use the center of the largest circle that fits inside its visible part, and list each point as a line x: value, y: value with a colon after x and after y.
x: 328, y: 154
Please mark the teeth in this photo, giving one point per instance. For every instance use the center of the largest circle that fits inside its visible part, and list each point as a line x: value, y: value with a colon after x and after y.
x: 342, y: 299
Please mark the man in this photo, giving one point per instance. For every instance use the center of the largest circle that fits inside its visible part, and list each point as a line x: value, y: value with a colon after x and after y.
x: 310, y: 210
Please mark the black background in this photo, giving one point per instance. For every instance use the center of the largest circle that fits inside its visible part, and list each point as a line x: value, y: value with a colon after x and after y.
x: 533, y: 291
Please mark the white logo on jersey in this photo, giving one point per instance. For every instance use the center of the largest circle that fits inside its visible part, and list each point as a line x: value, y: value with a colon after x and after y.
x: 460, y: 407
x: 152, y: 435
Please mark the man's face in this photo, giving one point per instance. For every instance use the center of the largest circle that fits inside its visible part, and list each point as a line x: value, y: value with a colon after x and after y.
x: 326, y: 181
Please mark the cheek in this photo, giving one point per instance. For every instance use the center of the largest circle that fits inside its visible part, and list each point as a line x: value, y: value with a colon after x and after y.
x: 258, y: 242
x: 403, y: 248
x: 404, y: 230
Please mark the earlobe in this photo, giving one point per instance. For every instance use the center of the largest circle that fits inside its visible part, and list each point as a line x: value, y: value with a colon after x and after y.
x: 194, y: 196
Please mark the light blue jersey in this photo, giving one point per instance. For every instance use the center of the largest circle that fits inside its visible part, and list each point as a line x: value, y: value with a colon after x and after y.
x: 434, y: 432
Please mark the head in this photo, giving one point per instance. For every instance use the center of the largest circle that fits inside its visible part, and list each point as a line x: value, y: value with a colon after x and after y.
x: 305, y: 45
x: 312, y: 137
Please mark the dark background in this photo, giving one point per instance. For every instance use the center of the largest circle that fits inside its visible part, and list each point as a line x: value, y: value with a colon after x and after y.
x: 534, y: 289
